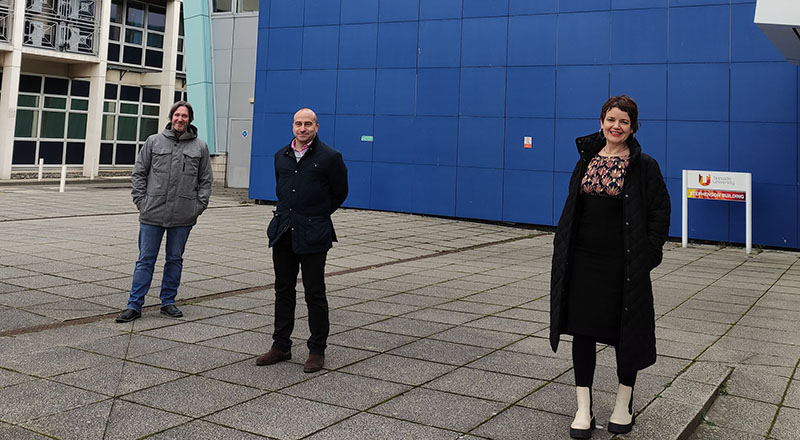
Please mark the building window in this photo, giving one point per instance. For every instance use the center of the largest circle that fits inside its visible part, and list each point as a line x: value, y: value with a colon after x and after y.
x: 227, y: 6
x: 51, y: 120
x: 130, y: 116
x: 136, y: 36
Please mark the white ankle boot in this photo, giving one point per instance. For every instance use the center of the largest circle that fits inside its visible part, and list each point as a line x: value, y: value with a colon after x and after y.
x: 622, y: 418
x: 583, y: 424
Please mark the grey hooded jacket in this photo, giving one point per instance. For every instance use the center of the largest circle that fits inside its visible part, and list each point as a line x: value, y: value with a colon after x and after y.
x: 172, y: 178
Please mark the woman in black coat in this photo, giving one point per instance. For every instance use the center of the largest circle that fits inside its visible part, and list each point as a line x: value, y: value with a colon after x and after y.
x: 609, y: 237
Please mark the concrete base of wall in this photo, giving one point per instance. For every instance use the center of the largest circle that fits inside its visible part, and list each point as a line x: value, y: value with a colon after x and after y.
x: 219, y: 165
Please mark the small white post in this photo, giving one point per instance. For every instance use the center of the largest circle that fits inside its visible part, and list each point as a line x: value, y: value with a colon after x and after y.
x: 63, y: 178
x: 41, y: 167
x: 748, y: 239
x: 685, y: 210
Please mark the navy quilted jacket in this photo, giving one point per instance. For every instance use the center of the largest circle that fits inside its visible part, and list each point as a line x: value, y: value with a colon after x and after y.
x: 646, y: 211
x: 308, y: 191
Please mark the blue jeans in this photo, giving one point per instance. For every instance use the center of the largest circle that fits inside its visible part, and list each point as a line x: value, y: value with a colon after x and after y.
x: 149, y: 244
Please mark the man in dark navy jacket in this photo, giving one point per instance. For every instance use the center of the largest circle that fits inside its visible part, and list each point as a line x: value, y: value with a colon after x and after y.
x: 311, y: 183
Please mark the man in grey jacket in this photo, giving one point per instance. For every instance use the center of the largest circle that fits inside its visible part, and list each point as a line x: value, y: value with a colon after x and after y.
x: 171, y: 184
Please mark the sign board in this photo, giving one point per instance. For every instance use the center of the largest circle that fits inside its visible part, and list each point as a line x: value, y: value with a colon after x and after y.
x: 718, y: 185
x: 366, y: 138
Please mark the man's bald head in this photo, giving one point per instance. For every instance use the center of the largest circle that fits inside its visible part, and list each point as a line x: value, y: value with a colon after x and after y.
x: 305, y: 126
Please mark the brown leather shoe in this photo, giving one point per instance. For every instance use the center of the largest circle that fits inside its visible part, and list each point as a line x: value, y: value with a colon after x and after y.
x: 273, y: 356
x: 314, y: 363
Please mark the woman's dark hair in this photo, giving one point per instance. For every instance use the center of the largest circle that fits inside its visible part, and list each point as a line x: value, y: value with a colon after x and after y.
x: 626, y: 104
x: 188, y: 107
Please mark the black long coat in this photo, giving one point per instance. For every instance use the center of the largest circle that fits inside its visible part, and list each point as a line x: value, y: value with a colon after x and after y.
x: 308, y: 191
x: 645, y: 211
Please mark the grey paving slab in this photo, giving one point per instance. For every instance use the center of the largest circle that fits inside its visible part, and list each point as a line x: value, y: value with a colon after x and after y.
x: 268, y: 378
x: 199, y: 429
x: 18, y: 433
x: 356, y: 392
x: 191, y: 358
x: 398, y: 369
x: 408, y: 327
x: 105, y: 420
x: 54, y: 361
x: 376, y: 427
x: 190, y: 332
x: 41, y: 398
x: 8, y: 378
x: 370, y: 340
x: 281, y: 416
x: 454, y: 412
x: 478, y: 337
x: 521, y: 364
x: 12, y: 318
x: 194, y: 396
x: 441, y: 351
x: 742, y: 414
x: 787, y: 424
x: 485, y: 385
x: 517, y: 423
x: 118, y: 378
x: 707, y: 431
x: 126, y: 345
x: 754, y: 383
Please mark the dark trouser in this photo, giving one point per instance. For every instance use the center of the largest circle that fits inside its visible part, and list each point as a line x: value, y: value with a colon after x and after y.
x: 287, y: 265
x: 584, y: 358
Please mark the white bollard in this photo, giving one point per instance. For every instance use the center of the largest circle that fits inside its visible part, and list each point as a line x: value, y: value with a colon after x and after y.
x: 63, y: 178
x: 41, y: 166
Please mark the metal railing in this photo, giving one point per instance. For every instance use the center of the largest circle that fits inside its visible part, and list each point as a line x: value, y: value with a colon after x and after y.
x: 63, y: 25
x: 6, y: 15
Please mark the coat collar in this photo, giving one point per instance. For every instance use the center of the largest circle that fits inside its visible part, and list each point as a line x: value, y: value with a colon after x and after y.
x: 190, y: 133
x: 314, y: 144
x: 591, y: 144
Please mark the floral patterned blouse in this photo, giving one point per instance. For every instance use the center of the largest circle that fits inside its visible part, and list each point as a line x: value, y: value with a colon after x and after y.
x: 605, y: 176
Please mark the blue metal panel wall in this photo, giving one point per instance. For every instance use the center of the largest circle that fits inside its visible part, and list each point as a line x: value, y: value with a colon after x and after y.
x: 450, y: 88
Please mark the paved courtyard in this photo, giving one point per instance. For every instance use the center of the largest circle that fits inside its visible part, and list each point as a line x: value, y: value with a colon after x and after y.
x: 438, y: 331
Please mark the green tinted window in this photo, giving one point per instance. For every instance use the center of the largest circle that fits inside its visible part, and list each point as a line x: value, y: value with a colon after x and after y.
x: 126, y: 129
x: 108, y: 128
x: 50, y: 102
x: 130, y: 109
x: 76, y: 129
x: 26, y: 123
x: 52, y: 125
x: 79, y: 104
x: 28, y: 101
x: 147, y: 126
x: 110, y: 107
x: 150, y: 110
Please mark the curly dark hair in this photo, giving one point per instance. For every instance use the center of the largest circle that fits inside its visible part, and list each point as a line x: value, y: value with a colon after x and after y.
x: 626, y: 104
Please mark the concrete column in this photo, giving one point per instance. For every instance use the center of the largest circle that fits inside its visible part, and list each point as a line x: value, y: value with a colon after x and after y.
x: 166, y: 78
x: 8, y: 109
x: 12, y: 67
x: 97, y: 84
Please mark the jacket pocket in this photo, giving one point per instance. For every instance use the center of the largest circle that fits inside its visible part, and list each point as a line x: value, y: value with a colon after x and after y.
x: 272, y: 228
x: 318, y: 231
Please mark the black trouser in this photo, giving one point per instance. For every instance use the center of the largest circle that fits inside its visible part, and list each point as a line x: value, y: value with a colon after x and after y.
x: 584, y: 358
x: 287, y: 265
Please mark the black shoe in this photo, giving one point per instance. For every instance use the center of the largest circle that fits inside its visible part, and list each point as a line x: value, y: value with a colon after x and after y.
x: 616, y: 428
x: 128, y: 315
x: 171, y: 311
x: 583, y: 433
